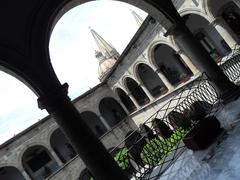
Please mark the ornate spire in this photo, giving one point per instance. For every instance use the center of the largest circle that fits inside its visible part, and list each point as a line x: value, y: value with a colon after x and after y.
x: 137, y: 17
x: 106, y: 54
x: 106, y: 50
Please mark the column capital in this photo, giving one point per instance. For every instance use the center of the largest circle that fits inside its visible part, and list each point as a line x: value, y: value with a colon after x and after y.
x: 180, y: 51
x: 129, y: 94
x: 157, y: 70
x: 216, y: 21
x: 51, y: 100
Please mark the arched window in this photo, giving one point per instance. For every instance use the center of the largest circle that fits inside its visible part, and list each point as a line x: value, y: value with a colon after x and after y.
x: 126, y: 100
x: 10, y: 173
x: 137, y: 92
x: 38, y: 162
x: 94, y: 123
x: 112, y: 111
x: 151, y: 80
x: 208, y: 36
x: 231, y: 15
x: 171, y: 64
x: 62, y: 146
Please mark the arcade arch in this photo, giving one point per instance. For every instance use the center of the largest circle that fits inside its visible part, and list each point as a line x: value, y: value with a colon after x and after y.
x: 170, y: 64
x: 151, y: 80
x: 136, y: 91
x: 111, y: 111
x: 231, y: 14
x: 126, y: 100
x: 94, y: 122
x: 10, y: 173
x: 61, y: 146
x: 207, y: 35
x: 38, y: 162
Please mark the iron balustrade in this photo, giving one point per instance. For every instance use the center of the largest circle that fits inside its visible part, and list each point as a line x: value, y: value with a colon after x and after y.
x: 230, y: 65
x: 150, y: 150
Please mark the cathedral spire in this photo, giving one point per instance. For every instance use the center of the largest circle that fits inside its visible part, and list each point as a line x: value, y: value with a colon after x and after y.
x: 105, y: 48
x: 106, y: 54
x: 137, y: 17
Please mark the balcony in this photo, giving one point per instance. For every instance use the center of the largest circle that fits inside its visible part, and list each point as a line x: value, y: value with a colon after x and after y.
x: 189, y: 137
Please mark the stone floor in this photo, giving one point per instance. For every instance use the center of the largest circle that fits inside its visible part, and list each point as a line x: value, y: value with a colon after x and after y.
x: 221, y: 161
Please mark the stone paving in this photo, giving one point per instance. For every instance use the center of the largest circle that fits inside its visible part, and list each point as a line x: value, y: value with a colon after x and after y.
x: 221, y: 161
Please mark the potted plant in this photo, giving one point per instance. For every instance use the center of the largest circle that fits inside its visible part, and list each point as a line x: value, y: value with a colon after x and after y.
x: 203, y: 133
x: 162, y: 128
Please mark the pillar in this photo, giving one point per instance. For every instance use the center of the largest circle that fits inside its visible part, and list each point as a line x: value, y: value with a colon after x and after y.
x: 55, y: 157
x: 91, y: 150
x: 188, y: 62
x: 165, y: 81
x: 133, y: 100
x: 224, y: 30
x: 25, y: 175
x: 203, y: 61
x: 124, y: 107
x: 149, y: 95
x: 104, y: 122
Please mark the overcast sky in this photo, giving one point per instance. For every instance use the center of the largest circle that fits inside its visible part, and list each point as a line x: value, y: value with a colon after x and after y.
x: 72, y: 54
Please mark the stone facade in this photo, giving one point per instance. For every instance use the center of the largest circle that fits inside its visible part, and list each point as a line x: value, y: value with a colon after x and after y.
x: 140, y: 50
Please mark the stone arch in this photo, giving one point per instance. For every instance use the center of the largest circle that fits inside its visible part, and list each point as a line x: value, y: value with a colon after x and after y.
x: 94, y: 122
x: 61, y: 146
x: 44, y: 144
x: 152, y: 47
x: 208, y: 36
x: 38, y: 162
x: 150, y: 7
x: 230, y: 12
x: 135, y: 69
x: 196, y: 11
x: 125, y: 100
x: 215, y: 7
x: 111, y: 111
x: 136, y: 91
x: 10, y: 173
x: 170, y: 64
x: 150, y: 79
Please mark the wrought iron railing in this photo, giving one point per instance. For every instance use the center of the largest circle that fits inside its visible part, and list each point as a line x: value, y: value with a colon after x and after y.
x: 150, y: 150
x: 231, y: 65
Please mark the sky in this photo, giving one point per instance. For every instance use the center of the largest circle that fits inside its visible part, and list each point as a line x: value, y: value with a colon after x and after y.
x: 71, y: 50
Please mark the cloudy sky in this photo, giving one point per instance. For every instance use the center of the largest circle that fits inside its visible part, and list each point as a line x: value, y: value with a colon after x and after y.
x: 72, y: 54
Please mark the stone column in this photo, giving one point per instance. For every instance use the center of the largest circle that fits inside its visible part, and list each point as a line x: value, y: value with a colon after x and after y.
x: 104, y: 122
x: 91, y: 150
x: 203, y: 61
x: 164, y: 79
x: 25, y: 175
x: 55, y: 157
x: 188, y: 62
x: 149, y: 95
x: 133, y: 100
x: 124, y: 107
x: 225, y: 31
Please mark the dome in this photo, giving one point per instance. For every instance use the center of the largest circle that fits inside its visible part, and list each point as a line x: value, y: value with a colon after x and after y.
x: 105, y: 66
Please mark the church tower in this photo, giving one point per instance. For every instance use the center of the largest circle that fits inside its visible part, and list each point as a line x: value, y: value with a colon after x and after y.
x: 106, y: 54
x: 137, y: 17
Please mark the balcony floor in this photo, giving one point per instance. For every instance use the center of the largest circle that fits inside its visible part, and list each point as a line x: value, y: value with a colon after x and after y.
x: 220, y: 161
